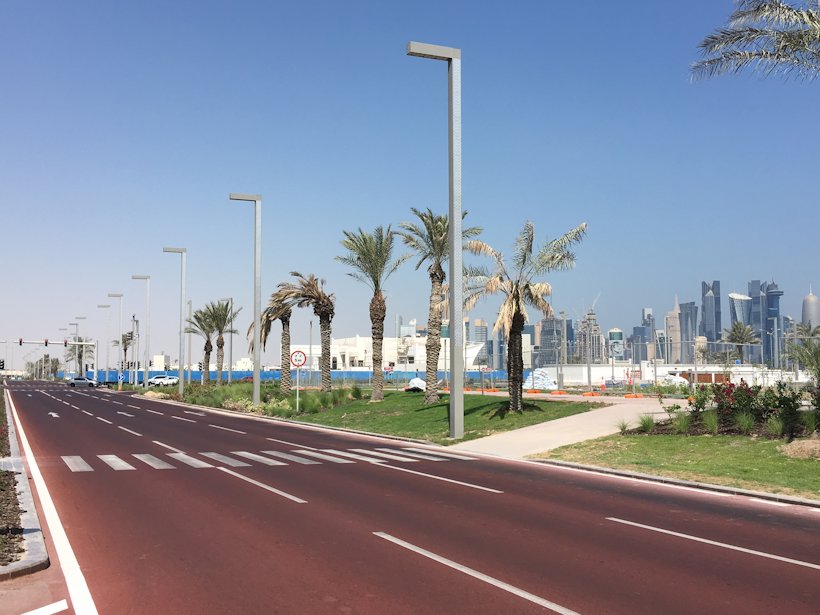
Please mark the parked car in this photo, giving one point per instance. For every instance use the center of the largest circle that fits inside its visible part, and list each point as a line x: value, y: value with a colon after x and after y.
x: 82, y: 381
x: 155, y: 381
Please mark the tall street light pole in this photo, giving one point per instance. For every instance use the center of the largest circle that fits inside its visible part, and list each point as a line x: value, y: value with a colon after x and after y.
x: 119, y: 341
x: 230, y: 340
x: 452, y: 56
x: 107, y: 345
x: 146, y: 352
x: 183, y: 252
x: 80, y: 370
x: 76, y: 334
x: 257, y: 284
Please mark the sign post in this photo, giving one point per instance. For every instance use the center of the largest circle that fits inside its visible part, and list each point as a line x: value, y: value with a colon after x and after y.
x: 297, y: 359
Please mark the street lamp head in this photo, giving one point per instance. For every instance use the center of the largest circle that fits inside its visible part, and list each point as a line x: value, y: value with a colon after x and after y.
x: 79, y: 318
x: 115, y: 295
x: 175, y: 250
x: 140, y: 277
x: 103, y: 305
x: 434, y: 52
x: 237, y: 196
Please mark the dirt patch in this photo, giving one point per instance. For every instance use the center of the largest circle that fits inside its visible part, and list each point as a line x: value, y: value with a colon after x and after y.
x: 803, y: 449
x: 11, y: 534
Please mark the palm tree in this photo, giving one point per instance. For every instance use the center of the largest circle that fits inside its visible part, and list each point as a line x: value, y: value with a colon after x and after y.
x: 78, y: 351
x: 202, y: 324
x: 277, y: 310
x: 807, y: 354
x: 370, y: 256
x: 429, y: 239
x: 221, y: 317
x: 309, y: 291
x: 519, y: 289
x: 740, y: 335
x: 805, y: 330
x: 125, y: 343
x: 767, y: 35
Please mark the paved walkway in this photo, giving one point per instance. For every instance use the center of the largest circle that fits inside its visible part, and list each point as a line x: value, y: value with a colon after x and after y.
x: 569, y: 430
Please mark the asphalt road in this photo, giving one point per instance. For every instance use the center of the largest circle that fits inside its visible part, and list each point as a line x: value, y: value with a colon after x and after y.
x: 175, y: 510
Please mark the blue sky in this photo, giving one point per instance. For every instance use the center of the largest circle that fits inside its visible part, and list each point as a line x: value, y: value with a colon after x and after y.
x: 124, y: 126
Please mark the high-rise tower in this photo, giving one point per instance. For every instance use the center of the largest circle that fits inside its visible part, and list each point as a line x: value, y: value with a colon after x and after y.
x: 811, y: 310
x: 710, y: 323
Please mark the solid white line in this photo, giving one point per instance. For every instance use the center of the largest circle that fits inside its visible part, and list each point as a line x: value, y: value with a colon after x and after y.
x: 448, y: 480
x: 99, y: 418
x: 128, y: 430
x: 557, y: 608
x: 227, y: 429
x: 769, y: 502
x: 182, y: 418
x: 717, y: 544
x: 115, y: 462
x: 57, y: 607
x: 81, y: 598
x: 176, y: 450
x: 292, y: 444
x: 264, y: 486
x: 155, y: 412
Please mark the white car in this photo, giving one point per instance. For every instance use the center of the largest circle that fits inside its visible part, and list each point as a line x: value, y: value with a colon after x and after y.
x: 82, y: 381
x: 155, y: 381
x: 674, y: 379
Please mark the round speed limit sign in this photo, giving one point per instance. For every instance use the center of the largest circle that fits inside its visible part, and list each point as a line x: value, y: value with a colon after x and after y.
x: 298, y: 358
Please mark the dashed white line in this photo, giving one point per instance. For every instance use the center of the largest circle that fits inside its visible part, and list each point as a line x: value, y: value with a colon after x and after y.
x: 119, y: 403
x: 99, y: 418
x: 264, y: 486
x: 716, y: 544
x: 182, y: 418
x: 227, y: 429
x: 88, y: 413
x: 155, y: 412
x: 556, y: 608
x: 133, y: 406
x: 75, y: 407
x: 128, y: 430
x: 195, y: 413
x: 158, y: 443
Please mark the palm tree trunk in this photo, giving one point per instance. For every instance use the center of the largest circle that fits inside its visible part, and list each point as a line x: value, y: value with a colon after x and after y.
x: 433, y: 344
x: 206, y: 362
x: 515, y: 363
x: 378, y: 310
x: 324, y: 328
x: 220, y: 357
x: 285, y: 385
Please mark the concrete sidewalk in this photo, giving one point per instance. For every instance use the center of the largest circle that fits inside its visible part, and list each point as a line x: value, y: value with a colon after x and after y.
x: 569, y: 430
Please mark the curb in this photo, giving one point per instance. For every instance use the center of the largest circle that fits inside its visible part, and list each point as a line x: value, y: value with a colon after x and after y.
x: 35, y: 556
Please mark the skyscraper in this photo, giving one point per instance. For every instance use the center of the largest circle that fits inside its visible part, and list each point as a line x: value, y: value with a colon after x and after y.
x: 774, y: 328
x: 688, y: 326
x: 740, y: 308
x: 710, y: 323
x: 757, y: 293
x: 811, y: 310
x: 673, y: 337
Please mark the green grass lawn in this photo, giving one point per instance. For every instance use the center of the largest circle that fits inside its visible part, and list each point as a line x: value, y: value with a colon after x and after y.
x: 404, y: 414
x: 734, y: 461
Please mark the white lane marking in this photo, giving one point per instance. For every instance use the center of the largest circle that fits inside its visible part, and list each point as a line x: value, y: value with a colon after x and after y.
x: 115, y: 462
x: 556, y: 608
x: 50, y: 609
x: 440, y: 453
x: 192, y: 412
x: 99, y: 418
x: 119, y: 403
x: 447, y: 480
x: 77, y: 464
x: 254, y: 457
x: 292, y: 444
x: 409, y: 454
x: 88, y: 413
x: 154, y: 462
x: 292, y: 458
x: 264, y: 486
x: 75, y: 407
x: 182, y: 418
x: 323, y: 456
x: 155, y: 412
x: 353, y: 456
x: 227, y: 429
x: 384, y: 455
x: 130, y: 416
x: 770, y: 502
x: 228, y: 461
x: 191, y: 461
x: 78, y: 591
x: 128, y: 430
x: 717, y: 544
x: 133, y: 406
x: 176, y: 450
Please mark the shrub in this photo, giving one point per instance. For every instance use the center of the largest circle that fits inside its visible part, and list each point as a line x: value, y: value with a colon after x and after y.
x: 711, y: 421
x: 745, y: 422
x: 699, y: 399
x: 723, y: 394
x: 623, y: 426
x: 682, y: 422
x: 647, y: 423
x: 356, y: 392
x: 809, y: 420
x: 774, y: 426
x: 339, y: 396
x: 745, y: 399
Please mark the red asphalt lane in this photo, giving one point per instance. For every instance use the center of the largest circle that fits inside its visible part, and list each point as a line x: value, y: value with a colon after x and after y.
x: 188, y: 540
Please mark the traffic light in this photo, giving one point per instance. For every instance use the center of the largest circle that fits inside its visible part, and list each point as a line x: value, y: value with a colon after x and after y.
x: 200, y: 366
x: 21, y: 341
x: 2, y: 364
x: 65, y: 343
x: 46, y: 343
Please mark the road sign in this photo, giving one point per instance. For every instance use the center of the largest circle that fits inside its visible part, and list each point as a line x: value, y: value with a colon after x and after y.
x: 298, y: 358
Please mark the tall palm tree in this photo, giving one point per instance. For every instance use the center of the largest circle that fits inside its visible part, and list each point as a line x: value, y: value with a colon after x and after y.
x: 79, y: 352
x: 807, y: 354
x: 805, y: 330
x: 520, y: 289
x: 766, y: 35
x: 201, y: 323
x: 309, y: 291
x: 370, y: 255
x: 740, y: 335
x: 428, y: 237
x: 277, y: 310
x: 222, y: 318
x: 125, y: 343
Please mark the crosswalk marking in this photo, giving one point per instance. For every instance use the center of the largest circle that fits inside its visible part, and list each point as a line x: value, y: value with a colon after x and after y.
x: 115, y: 462
x: 353, y: 456
x: 254, y: 457
x: 228, y: 461
x: 384, y: 455
x: 292, y: 458
x: 154, y: 462
x: 323, y: 456
x: 191, y: 461
x: 77, y: 464
x: 416, y: 455
x: 440, y: 454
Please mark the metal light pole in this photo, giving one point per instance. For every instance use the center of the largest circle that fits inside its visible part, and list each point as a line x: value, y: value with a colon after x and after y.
x: 230, y: 339
x: 188, y: 337
x: 183, y: 253
x: 119, y: 340
x: 257, y: 284
x: 146, y: 352
x: 76, y: 349
x: 107, y: 345
x: 453, y: 58
x: 76, y: 334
